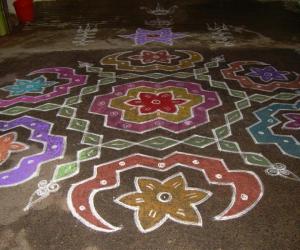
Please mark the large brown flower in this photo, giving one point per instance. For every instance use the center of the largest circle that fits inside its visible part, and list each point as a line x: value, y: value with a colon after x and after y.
x: 156, y: 201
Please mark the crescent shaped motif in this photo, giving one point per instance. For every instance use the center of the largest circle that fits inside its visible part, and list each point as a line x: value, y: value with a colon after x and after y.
x: 246, y: 186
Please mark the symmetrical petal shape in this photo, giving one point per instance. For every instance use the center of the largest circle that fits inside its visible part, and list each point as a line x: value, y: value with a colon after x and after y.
x: 156, y: 201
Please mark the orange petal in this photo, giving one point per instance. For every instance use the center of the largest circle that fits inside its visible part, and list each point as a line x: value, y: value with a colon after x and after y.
x: 17, y: 146
x: 149, y: 219
x: 186, y: 215
x: 3, y: 156
x: 131, y: 199
x: 148, y: 185
x: 8, y: 138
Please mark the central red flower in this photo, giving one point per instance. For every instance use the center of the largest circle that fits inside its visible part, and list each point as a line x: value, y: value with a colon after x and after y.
x: 151, y: 102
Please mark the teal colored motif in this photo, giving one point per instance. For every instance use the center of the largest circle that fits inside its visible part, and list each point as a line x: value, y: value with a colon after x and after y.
x: 21, y: 87
x: 262, y: 132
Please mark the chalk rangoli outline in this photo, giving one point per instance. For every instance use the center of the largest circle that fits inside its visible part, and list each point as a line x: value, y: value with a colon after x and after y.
x: 7, y: 148
x: 164, y: 35
x: 167, y: 215
x: 185, y: 63
x: 75, y: 80
x: 107, y: 176
x: 230, y: 73
x: 293, y: 122
x: 114, y: 118
x: 262, y: 133
x: 24, y: 86
x: 85, y: 35
x: 148, y: 56
x: 29, y: 166
x: 160, y: 11
x: 268, y: 74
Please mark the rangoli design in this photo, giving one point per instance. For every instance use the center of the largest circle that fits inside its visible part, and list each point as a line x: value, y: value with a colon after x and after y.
x: 161, y: 101
x: 268, y: 74
x: 144, y: 106
x: 74, y: 80
x: 155, y: 202
x: 148, y: 56
x: 262, y: 132
x: 183, y: 63
x: 164, y: 35
x: 246, y: 187
x: 28, y: 167
x: 293, y: 121
x: 21, y: 87
x: 8, y: 145
x: 271, y: 78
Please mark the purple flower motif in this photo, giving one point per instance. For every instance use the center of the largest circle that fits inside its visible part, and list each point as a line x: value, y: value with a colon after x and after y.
x: 268, y: 74
x: 143, y: 36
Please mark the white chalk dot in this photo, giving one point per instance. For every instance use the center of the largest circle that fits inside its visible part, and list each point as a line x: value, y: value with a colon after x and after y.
x: 82, y: 208
x: 188, y: 122
x: 244, y: 197
x: 33, y: 124
x: 161, y: 165
x: 103, y: 182
x: 261, y: 132
x: 196, y: 162
x: 218, y: 176
x: 4, y: 177
x: 122, y: 163
x: 30, y: 161
x: 54, y: 146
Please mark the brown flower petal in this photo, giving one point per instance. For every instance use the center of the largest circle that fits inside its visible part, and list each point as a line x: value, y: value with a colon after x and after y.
x: 148, y: 185
x: 177, y: 182
x: 195, y: 196
x: 131, y: 199
x: 186, y: 215
x: 149, y: 219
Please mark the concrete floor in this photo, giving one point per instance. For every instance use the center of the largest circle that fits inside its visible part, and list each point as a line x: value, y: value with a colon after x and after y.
x: 81, y: 164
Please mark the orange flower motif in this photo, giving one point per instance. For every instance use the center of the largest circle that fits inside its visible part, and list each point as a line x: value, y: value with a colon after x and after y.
x: 8, y: 145
x: 156, y: 201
